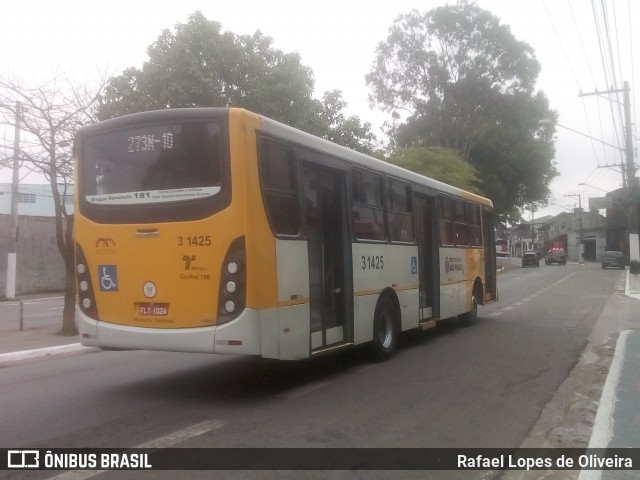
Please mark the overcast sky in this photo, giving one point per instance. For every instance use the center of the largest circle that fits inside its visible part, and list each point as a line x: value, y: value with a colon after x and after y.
x: 337, y: 40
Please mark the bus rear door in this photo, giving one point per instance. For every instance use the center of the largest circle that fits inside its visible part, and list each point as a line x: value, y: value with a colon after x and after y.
x: 324, y: 194
x: 428, y: 264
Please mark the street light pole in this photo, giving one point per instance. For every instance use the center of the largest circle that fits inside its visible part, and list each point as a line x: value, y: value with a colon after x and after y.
x: 13, y: 235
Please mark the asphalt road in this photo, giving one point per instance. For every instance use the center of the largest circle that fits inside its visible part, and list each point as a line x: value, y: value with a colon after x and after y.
x: 483, y: 386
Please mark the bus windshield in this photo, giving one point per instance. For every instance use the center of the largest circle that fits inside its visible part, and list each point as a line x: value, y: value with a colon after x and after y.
x: 159, y: 163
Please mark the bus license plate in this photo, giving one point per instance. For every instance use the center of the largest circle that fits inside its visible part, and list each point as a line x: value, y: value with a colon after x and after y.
x: 153, y: 309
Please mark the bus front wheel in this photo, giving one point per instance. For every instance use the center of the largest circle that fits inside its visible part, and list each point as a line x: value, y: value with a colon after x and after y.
x: 385, y: 333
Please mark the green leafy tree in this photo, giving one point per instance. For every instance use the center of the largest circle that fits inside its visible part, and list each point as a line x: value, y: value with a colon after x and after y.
x: 442, y: 164
x: 457, y: 76
x: 516, y: 156
x: 335, y: 126
x: 200, y: 65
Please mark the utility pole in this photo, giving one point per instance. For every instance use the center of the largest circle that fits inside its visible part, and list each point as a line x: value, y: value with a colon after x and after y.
x: 580, y: 236
x: 633, y: 194
x: 13, y: 234
x: 534, y: 240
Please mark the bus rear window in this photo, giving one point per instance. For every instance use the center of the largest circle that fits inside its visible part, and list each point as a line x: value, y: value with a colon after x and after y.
x: 152, y: 164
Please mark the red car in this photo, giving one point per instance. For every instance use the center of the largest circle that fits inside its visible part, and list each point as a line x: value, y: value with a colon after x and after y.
x: 556, y: 255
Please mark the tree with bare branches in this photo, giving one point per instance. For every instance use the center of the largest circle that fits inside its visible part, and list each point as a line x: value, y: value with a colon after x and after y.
x: 49, y: 116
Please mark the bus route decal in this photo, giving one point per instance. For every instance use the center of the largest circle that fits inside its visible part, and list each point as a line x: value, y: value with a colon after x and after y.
x: 453, y: 264
x: 152, y: 196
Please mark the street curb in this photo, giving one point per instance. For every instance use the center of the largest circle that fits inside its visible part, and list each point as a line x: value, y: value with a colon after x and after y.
x: 43, y: 352
x: 602, y: 431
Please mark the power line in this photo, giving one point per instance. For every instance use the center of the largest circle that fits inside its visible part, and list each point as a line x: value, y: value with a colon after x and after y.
x: 633, y: 81
x: 584, y: 52
x: 606, y: 57
x: 566, y: 57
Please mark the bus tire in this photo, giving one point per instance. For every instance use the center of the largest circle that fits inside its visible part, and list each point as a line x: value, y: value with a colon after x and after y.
x: 471, y: 317
x: 385, y: 332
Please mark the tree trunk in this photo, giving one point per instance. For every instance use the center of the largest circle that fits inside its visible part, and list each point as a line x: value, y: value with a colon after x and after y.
x: 68, y: 312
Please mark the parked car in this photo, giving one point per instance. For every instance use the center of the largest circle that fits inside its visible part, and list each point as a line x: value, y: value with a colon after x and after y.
x: 530, y: 259
x: 613, y: 258
x: 556, y: 255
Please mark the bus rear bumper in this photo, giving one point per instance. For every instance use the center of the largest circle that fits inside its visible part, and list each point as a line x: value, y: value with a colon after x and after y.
x: 240, y: 336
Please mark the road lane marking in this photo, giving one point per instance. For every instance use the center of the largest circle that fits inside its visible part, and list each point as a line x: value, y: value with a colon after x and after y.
x: 531, y: 296
x: 183, y: 435
x: 161, y: 442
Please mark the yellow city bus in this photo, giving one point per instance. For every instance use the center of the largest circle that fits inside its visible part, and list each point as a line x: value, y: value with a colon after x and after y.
x: 222, y: 231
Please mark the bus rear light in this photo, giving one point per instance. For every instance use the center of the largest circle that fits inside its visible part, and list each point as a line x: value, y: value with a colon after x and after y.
x: 233, y: 267
x: 227, y: 343
x: 230, y: 306
x: 232, y: 287
x: 86, y: 298
x: 231, y: 293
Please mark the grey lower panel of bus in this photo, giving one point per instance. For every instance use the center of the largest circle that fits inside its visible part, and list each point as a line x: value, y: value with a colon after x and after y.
x: 241, y: 336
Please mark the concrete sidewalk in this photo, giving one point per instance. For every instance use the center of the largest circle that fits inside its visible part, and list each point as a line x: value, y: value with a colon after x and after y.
x: 36, y: 342
x: 617, y: 422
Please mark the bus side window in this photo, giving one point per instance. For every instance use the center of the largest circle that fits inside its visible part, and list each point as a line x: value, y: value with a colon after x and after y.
x: 400, y: 212
x: 460, y: 230
x: 367, y: 209
x: 279, y: 184
x: 445, y: 225
x: 473, y: 219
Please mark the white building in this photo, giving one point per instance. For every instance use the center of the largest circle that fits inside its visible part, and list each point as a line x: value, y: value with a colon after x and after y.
x: 34, y: 200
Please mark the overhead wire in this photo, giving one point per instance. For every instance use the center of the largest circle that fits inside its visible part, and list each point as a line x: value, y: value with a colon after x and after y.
x: 593, y: 79
x: 566, y: 57
x: 633, y: 78
x: 584, y: 51
x: 605, y: 45
x: 608, y: 61
x: 607, y: 58
x: 618, y: 77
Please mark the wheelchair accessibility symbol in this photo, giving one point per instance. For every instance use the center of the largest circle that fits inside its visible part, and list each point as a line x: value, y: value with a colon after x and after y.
x: 414, y: 265
x: 108, y: 275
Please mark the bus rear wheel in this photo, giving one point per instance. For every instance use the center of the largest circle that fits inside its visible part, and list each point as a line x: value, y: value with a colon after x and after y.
x: 471, y: 317
x: 385, y: 333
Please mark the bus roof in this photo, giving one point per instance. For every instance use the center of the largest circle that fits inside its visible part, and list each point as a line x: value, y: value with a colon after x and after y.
x: 277, y: 129
x: 291, y: 134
